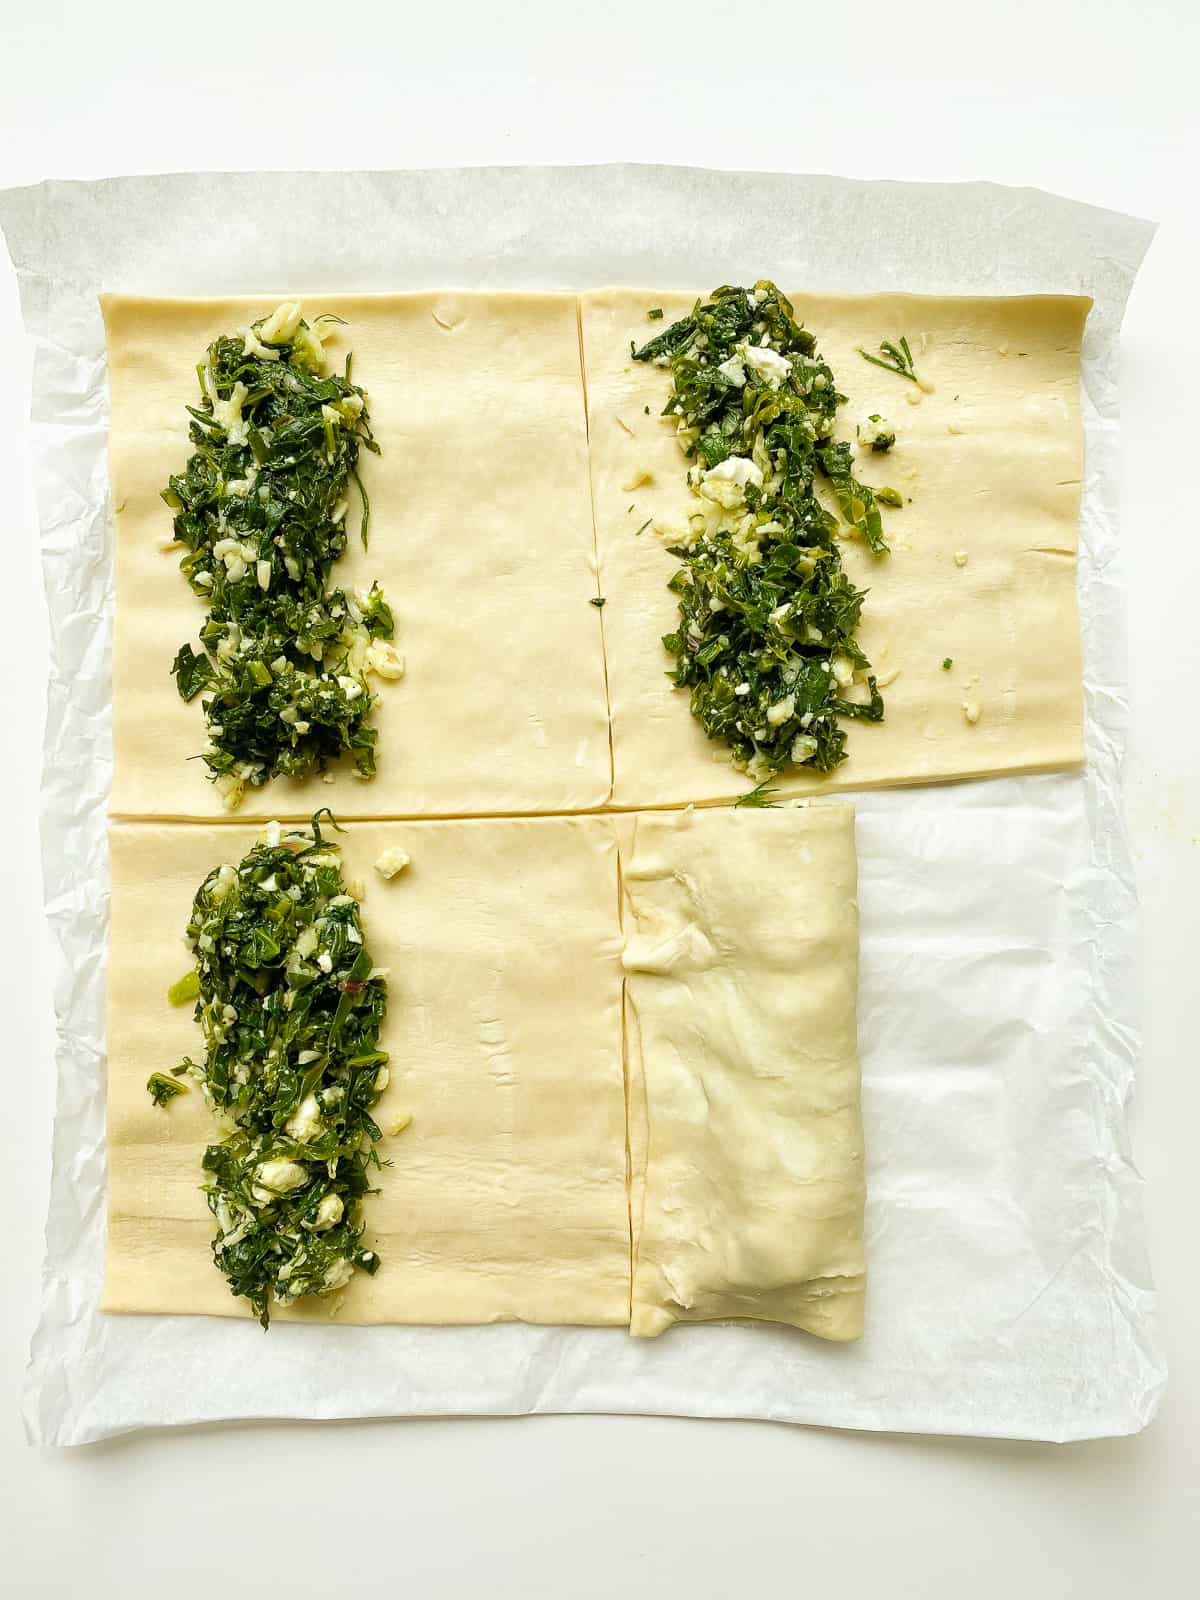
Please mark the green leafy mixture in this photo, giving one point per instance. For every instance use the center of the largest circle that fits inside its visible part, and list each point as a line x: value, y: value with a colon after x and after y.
x: 290, y: 1006
x: 767, y: 616
x: 261, y: 507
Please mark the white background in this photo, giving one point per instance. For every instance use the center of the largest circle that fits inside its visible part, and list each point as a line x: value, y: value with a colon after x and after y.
x: 1093, y: 98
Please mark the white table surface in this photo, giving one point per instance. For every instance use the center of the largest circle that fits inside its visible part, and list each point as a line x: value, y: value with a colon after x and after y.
x: 1093, y: 98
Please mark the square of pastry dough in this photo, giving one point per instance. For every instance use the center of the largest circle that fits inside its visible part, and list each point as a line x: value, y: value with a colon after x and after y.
x: 481, y: 537
x: 982, y: 567
x: 745, y: 1135
x: 506, y: 1197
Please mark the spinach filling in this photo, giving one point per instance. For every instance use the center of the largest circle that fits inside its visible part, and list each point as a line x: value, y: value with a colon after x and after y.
x: 261, y: 507
x: 767, y: 616
x: 290, y: 1006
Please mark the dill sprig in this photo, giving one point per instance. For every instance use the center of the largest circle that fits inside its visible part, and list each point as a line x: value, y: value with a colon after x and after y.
x: 757, y: 798
x: 893, y: 357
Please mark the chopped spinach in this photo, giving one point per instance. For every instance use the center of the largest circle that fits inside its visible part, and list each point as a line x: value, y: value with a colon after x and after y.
x: 261, y: 509
x: 290, y: 1006
x: 767, y: 616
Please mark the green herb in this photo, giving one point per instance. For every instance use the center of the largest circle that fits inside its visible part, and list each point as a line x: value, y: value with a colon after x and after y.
x: 855, y: 501
x: 261, y: 509
x: 947, y: 663
x: 895, y: 358
x: 192, y: 672
x: 290, y: 1006
x: 655, y: 315
x: 162, y: 1090
x: 185, y: 988
x: 758, y: 798
x: 767, y: 615
x: 599, y: 602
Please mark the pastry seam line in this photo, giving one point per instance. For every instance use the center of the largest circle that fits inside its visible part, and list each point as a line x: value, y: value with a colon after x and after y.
x: 591, y: 486
x: 624, y: 1063
x: 608, y: 809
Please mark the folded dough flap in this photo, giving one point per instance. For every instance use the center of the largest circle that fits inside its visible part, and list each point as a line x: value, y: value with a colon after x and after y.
x: 506, y: 1197
x: 741, y: 952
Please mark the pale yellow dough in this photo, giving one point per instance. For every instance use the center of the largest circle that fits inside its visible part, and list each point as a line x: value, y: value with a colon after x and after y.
x: 481, y: 536
x: 992, y: 460
x: 506, y: 1197
x: 745, y: 1138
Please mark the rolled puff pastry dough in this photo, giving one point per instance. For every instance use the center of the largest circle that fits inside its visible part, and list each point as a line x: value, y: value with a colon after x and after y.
x: 481, y: 535
x: 983, y: 562
x: 506, y: 1197
x: 741, y: 955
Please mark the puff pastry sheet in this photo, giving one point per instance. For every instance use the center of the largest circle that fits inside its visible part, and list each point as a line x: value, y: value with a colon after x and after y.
x: 506, y: 1197
x: 485, y: 539
x: 513, y: 1193
x: 992, y: 461
x: 617, y: 1036
x: 741, y: 956
x: 481, y: 536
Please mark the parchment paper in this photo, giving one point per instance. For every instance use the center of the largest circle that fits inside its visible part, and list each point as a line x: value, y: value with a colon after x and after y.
x: 1008, y: 1292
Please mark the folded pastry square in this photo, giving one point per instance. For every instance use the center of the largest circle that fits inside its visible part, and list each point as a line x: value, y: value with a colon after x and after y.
x: 505, y: 1198
x: 741, y: 960
x: 970, y: 623
x: 481, y: 539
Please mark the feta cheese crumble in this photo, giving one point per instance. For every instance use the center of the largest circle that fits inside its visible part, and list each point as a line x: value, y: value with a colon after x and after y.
x: 769, y: 364
x: 392, y: 862
x: 281, y: 326
x: 275, y: 1178
x: 727, y: 489
x: 305, y: 1122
